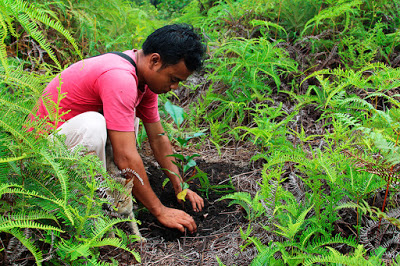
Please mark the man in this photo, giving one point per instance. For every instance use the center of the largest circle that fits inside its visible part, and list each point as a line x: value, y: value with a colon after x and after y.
x: 103, y: 95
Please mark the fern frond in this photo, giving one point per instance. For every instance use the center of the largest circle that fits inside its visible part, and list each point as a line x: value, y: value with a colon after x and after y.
x: 333, y: 12
x: 27, y: 15
x: 391, y: 99
x: 115, y: 242
x: 103, y: 226
x: 73, y: 249
x: 245, y: 200
x: 329, y: 240
x: 335, y: 257
x: 242, y: 196
x: 59, y: 172
x: 55, y: 24
x: 373, y: 212
x: 263, y: 258
x: 60, y: 203
x: 3, y: 48
x: 28, y: 81
x: 347, y: 119
x: 37, y: 254
x: 18, y: 134
x: 330, y: 170
x: 7, y: 224
x: 280, y: 158
x: 356, y: 103
x: 32, y: 215
x: 6, y: 188
x: 12, y: 159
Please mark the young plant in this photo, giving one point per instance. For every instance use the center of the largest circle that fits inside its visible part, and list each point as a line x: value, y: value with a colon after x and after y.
x: 178, y: 115
x: 184, y: 163
x: 206, y: 186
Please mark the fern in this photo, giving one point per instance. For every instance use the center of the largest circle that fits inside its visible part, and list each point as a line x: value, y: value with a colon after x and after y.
x: 103, y: 226
x: 33, y: 215
x: 6, y: 225
x: 60, y: 174
x: 40, y: 175
x: 30, y: 83
x: 17, y: 134
x: 265, y: 256
x: 57, y: 202
x: 335, y: 11
x: 373, y: 212
x: 116, y: 243
x: 292, y: 228
x: 252, y: 206
x: 328, y: 240
x: 335, y: 257
x: 37, y: 254
x: 3, y: 51
x: 84, y: 247
x: 252, y: 57
x: 27, y: 17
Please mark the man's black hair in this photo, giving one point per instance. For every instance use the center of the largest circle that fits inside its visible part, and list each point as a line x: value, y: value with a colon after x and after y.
x: 174, y: 43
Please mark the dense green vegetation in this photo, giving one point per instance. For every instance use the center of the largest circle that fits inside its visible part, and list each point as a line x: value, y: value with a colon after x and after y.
x: 313, y: 85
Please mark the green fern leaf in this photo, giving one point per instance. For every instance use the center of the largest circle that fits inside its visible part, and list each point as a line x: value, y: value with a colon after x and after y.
x: 3, y: 48
x: 103, y: 226
x: 37, y: 254
x: 12, y: 159
x: 115, y: 242
x: 6, y: 224
x: 356, y: 259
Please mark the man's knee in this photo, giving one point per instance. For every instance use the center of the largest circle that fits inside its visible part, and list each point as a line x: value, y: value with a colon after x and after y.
x: 95, y: 125
x: 87, y: 129
x: 94, y: 129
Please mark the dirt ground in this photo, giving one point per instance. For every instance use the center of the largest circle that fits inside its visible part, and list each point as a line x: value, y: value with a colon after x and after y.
x: 218, y: 224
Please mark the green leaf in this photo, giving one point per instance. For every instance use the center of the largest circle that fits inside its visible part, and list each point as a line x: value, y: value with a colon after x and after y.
x: 189, y: 164
x: 184, y: 185
x: 182, y: 141
x: 177, y: 156
x: 166, y: 180
x: 177, y: 113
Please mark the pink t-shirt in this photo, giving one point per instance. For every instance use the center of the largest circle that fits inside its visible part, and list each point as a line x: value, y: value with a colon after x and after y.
x: 106, y: 83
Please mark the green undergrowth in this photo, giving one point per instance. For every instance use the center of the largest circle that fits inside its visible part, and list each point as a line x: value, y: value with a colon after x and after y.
x: 270, y: 62
x: 312, y: 85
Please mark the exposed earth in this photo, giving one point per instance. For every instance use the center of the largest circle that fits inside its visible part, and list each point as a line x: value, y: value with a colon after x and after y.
x: 218, y: 224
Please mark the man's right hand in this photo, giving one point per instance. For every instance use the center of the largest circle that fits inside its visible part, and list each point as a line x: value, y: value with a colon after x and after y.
x: 177, y: 219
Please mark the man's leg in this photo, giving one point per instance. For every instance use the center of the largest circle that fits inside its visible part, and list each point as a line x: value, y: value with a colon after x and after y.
x: 88, y: 130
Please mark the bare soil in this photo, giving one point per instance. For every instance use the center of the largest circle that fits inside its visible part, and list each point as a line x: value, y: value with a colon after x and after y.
x: 215, y: 214
x: 218, y: 224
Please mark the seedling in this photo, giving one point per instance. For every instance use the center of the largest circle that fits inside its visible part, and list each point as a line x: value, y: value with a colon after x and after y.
x: 184, y: 163
x: 178, y: 115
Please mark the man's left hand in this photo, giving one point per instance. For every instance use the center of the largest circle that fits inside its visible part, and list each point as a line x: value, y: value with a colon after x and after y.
x: 195, y: 199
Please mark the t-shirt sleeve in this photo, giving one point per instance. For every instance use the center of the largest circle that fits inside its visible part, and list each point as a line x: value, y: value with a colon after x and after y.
x: 118, y: 92
x: 147, y: 110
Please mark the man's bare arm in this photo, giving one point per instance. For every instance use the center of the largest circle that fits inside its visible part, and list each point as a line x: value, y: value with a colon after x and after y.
x: 127, y: 156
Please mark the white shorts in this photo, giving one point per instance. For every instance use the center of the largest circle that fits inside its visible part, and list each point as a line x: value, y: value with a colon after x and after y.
x: 88, y: 130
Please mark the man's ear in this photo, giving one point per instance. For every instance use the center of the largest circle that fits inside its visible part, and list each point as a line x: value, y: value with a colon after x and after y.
x: 155, y: 61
